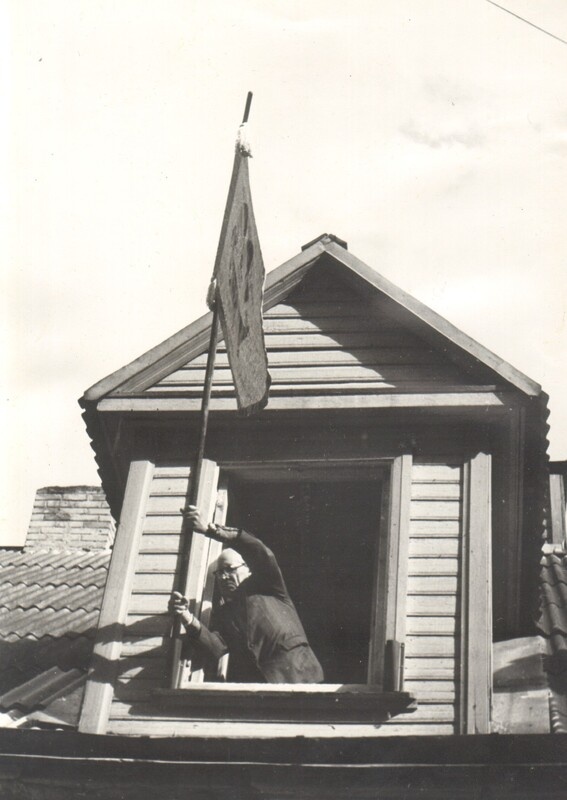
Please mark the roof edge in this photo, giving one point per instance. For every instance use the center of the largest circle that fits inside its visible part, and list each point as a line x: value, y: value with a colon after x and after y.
x: 435, y: 321
x: 278, y: 281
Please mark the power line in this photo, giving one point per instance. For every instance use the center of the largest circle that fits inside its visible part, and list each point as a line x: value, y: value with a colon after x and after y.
x: 553, y: 36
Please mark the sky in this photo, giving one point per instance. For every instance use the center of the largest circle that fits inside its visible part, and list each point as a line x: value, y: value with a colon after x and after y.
x: 432, y: 136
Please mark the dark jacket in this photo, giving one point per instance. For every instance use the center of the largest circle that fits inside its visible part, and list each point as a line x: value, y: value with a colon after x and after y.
x: 260, y: 627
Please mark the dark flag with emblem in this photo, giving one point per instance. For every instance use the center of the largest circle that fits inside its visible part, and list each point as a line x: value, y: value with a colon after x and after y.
x: 238, y: 282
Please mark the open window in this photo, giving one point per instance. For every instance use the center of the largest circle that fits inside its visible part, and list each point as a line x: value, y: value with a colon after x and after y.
x: 338, y: 532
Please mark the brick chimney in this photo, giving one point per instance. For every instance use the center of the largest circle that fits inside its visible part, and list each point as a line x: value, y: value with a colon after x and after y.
x: 71, y: 517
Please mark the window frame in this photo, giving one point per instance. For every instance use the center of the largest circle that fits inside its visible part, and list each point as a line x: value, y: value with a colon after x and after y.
x: 382, y: 695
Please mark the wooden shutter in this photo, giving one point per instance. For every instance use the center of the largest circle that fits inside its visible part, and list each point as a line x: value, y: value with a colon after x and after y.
x: 385, y: 664
x: 199, y: 586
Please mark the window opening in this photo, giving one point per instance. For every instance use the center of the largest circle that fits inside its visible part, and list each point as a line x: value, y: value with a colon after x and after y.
x: 324, y: 532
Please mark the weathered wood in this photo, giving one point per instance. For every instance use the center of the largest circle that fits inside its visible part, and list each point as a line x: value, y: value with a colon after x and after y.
x: 428, y: 546
x: 434, y: 321
x: 386, y: 355
x: 290, y: 702
x: 391, y: 374
x: 441, y: 565
x: 388, y: 602
x: 432, y: 625
x: 432, y: 584
x: 426, y: 645
x: 435, y: 491
x: 192, y: 341
x: 435, y: 509
x: 198, y: 556
x: 432, y: 605
x: 558, y: 504
x: 266, y: 730
x: 99, y: 688
x: 160, y: 543
x: 476, y: 610
x: 458, y: 399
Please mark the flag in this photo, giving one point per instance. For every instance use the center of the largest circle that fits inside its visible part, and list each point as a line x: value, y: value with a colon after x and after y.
x: 238, y: 281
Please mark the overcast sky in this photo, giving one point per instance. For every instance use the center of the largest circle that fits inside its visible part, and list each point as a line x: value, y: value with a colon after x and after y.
x: 432, y: 136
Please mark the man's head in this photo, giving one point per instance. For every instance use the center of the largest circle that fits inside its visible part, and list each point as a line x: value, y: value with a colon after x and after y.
x: 230, y: 571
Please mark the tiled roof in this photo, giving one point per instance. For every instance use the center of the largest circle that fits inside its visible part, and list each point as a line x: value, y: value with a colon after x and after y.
x: 553, y: 619
x: 553, y: 626
x: 49, y: 606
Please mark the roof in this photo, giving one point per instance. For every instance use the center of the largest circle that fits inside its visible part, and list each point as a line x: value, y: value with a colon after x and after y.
x: 49, y: 607
x: 193, y: 340
x: 553, y: 626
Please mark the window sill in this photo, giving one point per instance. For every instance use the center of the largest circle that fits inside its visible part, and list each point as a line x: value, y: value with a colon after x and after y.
x: 288, y: 702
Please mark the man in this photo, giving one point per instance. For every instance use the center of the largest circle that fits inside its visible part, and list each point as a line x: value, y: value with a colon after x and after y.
x: 255, y: 621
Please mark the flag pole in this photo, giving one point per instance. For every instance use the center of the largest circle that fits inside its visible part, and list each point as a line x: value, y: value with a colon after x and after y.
x: 187, y: 533
x: 209, y: 372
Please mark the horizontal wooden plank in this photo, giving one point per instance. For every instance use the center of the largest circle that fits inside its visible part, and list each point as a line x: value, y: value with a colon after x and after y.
x: 430, y: 690
x: 156, y: 713
x: 430, y: 646
x: 430, y: 669
x: 160, y: 543
x: 311, y: 310
x: 171, y: 470
x: 279, y: 391
x: 300, y: 375
x: 439, y: 527
x: 170, y: 524
x: 156, y: 562
x: 431, y: 625
x: 169, y: 485
x: 316, y: 340
x: 336, y: 357
x: 165, y: 504
x: 126, y: 726
x: 432, y: 584
x: 150, y: 646
x: 420, y: 547
x: 433, y: 566
x: 149, y: 624
x: 430, y: 605
x: 436, y: 472
x: 455, y: 398
x: 435, y: 509
x: 395, y: 728
x: 160, y: 583
x: 435, y: 698
x: 150, y: 603
x: 331, y: 324
x: 436, y: 491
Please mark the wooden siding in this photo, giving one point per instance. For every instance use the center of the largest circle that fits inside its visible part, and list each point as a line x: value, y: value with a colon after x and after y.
x: 433, y: 629
x: 324, y: 341
x: 432, y: 617
x: 144, y: 662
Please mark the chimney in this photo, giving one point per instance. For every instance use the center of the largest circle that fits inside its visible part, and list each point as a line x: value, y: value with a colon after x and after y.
x: 71, y: 518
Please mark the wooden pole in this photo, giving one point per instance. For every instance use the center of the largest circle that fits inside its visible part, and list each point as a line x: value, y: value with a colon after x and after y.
x: 186, y: 532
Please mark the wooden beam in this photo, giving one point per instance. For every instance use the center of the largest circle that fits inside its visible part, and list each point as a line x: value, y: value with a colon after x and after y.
x: 449, y: 400
x: 476, y: 605
x: 390, y: 585
x: 100, y: 682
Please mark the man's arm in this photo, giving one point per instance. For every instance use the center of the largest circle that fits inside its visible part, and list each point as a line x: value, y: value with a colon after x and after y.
x: 266, y: 573
x: 211, y: 641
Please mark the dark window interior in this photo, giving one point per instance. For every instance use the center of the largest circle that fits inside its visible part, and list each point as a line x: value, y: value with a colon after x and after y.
x: 324, y: 533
